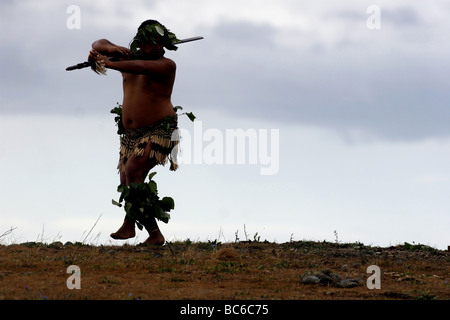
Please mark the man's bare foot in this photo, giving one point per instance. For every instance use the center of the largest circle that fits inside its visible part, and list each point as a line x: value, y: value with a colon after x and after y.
x: 156, y: 238
x: 126, y: 231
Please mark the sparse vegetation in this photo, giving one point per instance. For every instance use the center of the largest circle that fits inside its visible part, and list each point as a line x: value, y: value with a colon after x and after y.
x: 251, y: 269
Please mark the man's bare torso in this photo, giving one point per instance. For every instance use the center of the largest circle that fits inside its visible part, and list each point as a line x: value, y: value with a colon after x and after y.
x: 147, y: 97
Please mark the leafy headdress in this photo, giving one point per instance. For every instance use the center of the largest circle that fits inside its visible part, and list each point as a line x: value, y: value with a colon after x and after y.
x: 153, y: 32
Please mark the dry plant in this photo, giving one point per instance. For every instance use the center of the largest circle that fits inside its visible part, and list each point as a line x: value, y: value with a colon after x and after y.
x: 7, y: 232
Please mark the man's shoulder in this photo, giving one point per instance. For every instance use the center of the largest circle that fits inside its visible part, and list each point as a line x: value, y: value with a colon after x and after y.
x: 169, y: 62
x: 163, y: 63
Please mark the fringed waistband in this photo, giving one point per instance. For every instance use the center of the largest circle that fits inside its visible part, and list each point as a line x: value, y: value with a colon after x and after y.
x: 167, y: 124
x: 159, y: 134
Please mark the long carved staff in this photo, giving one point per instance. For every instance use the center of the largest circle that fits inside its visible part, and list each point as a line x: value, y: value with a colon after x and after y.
x: 87, y: 64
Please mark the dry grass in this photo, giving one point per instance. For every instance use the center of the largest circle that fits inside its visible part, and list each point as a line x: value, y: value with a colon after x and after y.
x: 245, y: 270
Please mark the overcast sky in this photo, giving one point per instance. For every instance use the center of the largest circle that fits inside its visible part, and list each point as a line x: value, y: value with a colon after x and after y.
x: 362, y: 115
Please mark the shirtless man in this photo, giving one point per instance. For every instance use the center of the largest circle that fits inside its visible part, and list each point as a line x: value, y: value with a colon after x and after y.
x: 147, y: 88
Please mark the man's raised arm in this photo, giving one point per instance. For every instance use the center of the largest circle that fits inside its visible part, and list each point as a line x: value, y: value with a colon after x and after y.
x: 108, y: 48
x: 135, y: 66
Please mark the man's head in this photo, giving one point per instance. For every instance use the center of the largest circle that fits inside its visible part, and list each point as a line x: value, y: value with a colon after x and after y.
x: 151, y: 38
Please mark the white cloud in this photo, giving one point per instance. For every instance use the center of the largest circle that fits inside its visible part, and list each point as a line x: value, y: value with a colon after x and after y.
x: 64, y: 169
x: 308, y: 68
x: 316, y: 61
x: 432, y: 179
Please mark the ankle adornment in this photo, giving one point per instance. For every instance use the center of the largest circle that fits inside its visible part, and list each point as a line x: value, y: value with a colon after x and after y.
x: 142, y: 202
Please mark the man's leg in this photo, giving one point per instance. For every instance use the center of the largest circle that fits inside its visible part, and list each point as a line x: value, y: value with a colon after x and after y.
x: 137, y: 170
x: 127, y: 230
x: 155, y: 235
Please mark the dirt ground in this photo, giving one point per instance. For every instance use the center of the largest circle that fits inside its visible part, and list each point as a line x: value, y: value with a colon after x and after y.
x: 215, y: 271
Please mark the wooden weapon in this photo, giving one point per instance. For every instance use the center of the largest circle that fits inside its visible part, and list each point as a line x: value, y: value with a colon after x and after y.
x: 88, y: 64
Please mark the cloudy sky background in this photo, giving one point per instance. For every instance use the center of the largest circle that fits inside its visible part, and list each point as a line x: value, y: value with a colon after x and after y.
x: 362, y: 116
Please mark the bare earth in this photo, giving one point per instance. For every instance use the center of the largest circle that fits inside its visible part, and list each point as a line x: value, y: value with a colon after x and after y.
x: 215, y: 271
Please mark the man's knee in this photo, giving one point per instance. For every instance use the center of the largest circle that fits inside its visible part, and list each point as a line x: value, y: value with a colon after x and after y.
x: 137, y: 169
x: 134, y: 174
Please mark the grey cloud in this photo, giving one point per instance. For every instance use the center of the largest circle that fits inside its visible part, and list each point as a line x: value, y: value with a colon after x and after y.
x: 243, y: 34
x: 391, y: 96
x: 35, y: 52
x: 240, y: 68
x: 401, y: 16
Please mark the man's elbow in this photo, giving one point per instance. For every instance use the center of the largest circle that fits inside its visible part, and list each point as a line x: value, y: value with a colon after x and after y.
x: 95, y: 45
x: 99, y: 44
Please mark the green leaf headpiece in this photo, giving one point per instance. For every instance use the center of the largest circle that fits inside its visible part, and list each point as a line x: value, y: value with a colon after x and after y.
x: 153, y: 34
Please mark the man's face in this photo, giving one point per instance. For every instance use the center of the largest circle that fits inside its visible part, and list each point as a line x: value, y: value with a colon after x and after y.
x: 152, y: 51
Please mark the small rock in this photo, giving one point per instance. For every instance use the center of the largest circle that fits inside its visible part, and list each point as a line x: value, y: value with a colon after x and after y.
x: 336, y: 277
x: 347, y: 283
x: 326, y: 272
x: 345, y: 268
x: 323, y: 278
x: 310, y: 280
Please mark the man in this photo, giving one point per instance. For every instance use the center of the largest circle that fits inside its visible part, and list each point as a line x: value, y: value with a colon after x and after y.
x: 147, y: 86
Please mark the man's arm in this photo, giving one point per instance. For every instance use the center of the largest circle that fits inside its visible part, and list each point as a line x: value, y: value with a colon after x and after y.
x: 106, y: 47
x: 161, y: 66
x: 141, y: 66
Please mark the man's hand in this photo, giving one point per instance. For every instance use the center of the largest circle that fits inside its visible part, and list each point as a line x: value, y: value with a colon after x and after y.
x: 94, y: 56
x: 99, y: 62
